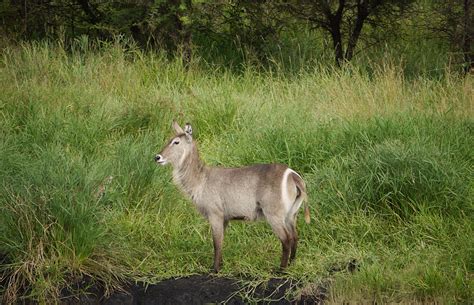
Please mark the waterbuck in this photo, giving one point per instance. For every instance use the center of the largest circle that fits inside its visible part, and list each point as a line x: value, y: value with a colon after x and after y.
x: 271, y: 191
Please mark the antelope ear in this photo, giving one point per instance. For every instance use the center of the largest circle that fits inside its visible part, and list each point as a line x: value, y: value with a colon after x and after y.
x: 188, y: 130
x: 177, y: 128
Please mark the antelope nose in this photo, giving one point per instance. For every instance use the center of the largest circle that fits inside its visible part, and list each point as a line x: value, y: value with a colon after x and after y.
x: 157, y: 158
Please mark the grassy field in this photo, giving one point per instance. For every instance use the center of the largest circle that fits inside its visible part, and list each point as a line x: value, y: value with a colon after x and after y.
x: 388, y: 163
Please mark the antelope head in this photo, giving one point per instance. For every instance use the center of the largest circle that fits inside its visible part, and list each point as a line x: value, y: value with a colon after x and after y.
x: 178, y: 148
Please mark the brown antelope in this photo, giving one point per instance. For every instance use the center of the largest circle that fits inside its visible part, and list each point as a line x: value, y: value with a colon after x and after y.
x: 271, y: 191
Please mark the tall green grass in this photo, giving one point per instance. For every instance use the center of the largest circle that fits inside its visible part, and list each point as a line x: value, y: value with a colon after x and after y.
x: 388, y: 163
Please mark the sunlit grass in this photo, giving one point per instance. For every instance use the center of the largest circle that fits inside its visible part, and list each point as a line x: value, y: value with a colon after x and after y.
x: 388, y: 163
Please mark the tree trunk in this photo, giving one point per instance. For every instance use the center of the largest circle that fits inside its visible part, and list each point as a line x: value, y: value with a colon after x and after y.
x: 334, y: 27
x: 25, y: 18
x: 467, y: 38
x: 362, y: 14
x: 337, y: 44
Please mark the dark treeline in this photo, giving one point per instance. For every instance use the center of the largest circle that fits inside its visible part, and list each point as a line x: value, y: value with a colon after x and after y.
x: 178, y: 26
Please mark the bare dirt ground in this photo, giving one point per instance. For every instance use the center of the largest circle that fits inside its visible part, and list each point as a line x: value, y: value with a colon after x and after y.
x: 204, y: 289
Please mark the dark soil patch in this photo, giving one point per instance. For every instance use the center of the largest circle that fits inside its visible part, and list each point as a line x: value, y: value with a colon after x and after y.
x: 203, y: 289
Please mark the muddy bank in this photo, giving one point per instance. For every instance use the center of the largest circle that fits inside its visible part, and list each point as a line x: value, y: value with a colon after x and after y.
x: 205, y: 289
x: 202, y: 289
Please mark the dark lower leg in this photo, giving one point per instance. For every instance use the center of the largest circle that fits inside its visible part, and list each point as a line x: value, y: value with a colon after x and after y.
x: 286, y: 246
x: 217, y: 238
x: 217, y: 257
x: 294, y: 245
x: 294, y: 238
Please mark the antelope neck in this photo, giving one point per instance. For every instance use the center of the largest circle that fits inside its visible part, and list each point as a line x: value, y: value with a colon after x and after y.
x: 190, y: 174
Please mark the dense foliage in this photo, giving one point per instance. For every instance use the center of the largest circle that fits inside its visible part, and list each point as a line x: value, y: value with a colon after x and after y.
x: 348, y: 27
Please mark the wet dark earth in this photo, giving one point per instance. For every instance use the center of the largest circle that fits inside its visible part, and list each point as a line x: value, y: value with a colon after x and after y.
x: 206, y: 289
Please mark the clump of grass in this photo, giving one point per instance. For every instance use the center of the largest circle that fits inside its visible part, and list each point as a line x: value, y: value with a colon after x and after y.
x: 51, y: 232
x: 387, y: 161
x: 398, y: 178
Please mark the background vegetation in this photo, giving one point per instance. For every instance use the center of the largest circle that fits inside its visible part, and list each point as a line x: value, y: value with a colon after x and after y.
x: 383, y: 139
x: 229, y: 32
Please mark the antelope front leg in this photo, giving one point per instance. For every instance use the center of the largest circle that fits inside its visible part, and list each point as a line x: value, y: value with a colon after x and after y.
x: 217, y: 226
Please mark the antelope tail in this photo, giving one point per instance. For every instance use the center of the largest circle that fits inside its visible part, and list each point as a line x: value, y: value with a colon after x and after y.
x: 302, y: 196
x: 307, y: 217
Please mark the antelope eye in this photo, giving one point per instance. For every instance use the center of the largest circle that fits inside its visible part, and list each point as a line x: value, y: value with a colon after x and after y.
x: 176, y: 142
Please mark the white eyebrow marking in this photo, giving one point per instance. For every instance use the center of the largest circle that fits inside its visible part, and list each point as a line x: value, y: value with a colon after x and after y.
x: 174, y: 140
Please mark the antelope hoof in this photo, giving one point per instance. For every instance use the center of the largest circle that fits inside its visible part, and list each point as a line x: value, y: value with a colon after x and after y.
x: 279, y: 270
x: 216, y: 268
